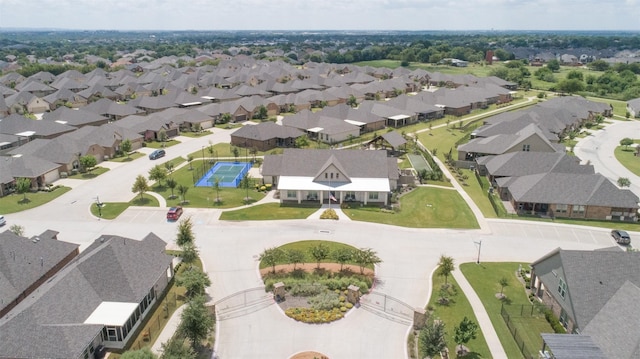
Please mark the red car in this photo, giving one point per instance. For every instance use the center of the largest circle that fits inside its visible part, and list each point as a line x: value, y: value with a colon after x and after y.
x: 174, y: 213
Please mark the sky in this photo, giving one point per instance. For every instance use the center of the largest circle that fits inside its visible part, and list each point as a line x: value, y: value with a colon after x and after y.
x: 322, y: 14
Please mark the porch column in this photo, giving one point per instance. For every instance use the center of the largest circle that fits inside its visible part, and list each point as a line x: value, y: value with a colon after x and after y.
x: 386, y: 198
x: 533, y: 209
x: 341, y: 196
x: 321, y: 197
x: 366, y: 197
x: 298, y: 196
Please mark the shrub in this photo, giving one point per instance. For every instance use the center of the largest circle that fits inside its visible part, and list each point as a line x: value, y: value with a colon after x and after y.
x: 325, y: 301
x: 310, y: 315
x: 329, y: 214
x: 307, y: 289
x: 349, y: 305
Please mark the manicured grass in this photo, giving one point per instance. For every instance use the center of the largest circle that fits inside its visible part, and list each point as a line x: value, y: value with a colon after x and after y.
x: 619, y: 107
x: 452, y: 314
x: 627, y: 157
x: 132, y: 156
x: 627, y: 226
x: 95, y: 172
x: 484, y: 279
x: 158, y: 144
x: 269, y: 211
x: 111, y: 210
x: 305, y: 247
x: 15, y: 202
x: 205, y: 196
x: 478, y: 194
x: 424, y: 207
x: 195, y: 134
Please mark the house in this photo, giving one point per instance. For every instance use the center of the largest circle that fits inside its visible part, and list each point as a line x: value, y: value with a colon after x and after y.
x: 633, y: 107
x: 332, y: 176
x: 29, y: 262
x: 114, y: 111
x: 74, y: 117
x: 326, y: 129
x: 39, y: 171
x: 265, y: 136
x: 595, y: 294
x: 99, y: 300
x: 28, y: 129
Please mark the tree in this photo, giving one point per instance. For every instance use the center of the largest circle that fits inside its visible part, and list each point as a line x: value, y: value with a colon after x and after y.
x: 182, y: 189
x: 236, y: 153
x: 189, y: 254
x: 23, y: 185
x: 157, y: 173
x: 169, y: 166
x: 226, y: 117
x: 352, y: 101
x: 624, y: 182
x: 17, y: 229
x: 553, y: 65
x: 196, y: 126
x: 125, y: 146
x: 196, y: 322
x: 174, y: 348
x: 295, y: 256
x: 262, y: 113
x: 88, y: 162
x: 432, y: 338
x: 162, y: 136
x: 626, y: 142
x: 319, y: 252
x: 302, y: 141
x: 571, y: 86
x: 342, y: 255
x: 185, y: 232
x: 504, y: 282
x: 216, y: 187
x: 464, y: 332
x: 246, y: 183
x: 144, y: 353
x: 365, y: 257
x: 171, y: 183
x: 270, y: 257
x: 140, y: 186
x: 194, y: 281
x: 445, y: 267
x: 189, y: 159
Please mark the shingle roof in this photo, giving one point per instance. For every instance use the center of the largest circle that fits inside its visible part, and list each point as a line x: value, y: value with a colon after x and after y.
x: 267, y: 130
x: 526, y: 163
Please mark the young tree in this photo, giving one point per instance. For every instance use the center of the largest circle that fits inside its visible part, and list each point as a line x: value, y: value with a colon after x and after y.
x: 194, y: 281
x: 271, y: 257
x: 302, y: 141
x: 342, y: 256
x: 175, y: 348
x: 17, y: 229
x: 182, y: 189
x: 88, y: 162
x: 169, y: 166
x: 295, y: 256
x: 157, y: 173
x: 262, y: 113
x: 185, y: 232
x: 189, y: 159
x: 162, y: 136
x: 236, y: 153
x: 365, y: 257
x: 626, y: 142
x: 319, y: 252
x: 226, y: 117
x: 196, y: 322
x: 432, y: 338
x: 23, y: 185
x: 171, y: 183
x: 246, y: 183
x: 464, y: 332
x: 352, y: 101
x: 624, y: 182
x: 504, y: 282
x: 189, y: 254
x: 445, y: 267
x: 140, y: 186
x: 196, y: 127
x: 144, y: 353
x: 125, y: 146
x: 216, y: 187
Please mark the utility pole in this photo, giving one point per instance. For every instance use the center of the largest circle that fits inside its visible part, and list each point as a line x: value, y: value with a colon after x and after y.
x: 479, y: 248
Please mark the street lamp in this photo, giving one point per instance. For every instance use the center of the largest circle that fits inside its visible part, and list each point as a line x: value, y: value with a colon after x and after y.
x: 203, y: 160
x: 479, y: 243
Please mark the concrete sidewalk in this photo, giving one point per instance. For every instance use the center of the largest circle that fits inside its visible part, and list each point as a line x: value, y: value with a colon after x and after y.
x: 168, y: 331
x: 490, y: 335
x: 336, y: 207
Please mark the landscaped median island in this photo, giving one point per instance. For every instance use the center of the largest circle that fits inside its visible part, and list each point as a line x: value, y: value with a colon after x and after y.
x: 319, y: 292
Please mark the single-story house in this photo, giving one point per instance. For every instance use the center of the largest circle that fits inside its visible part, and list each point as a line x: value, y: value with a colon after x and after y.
x: 633, y: 107
x: 332, y: 176
x: 265, y: 136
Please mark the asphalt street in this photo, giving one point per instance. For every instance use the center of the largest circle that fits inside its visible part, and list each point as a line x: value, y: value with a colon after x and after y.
x: 230, y: 251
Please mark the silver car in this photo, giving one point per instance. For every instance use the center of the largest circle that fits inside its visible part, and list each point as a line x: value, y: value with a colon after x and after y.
x: 621, y: 236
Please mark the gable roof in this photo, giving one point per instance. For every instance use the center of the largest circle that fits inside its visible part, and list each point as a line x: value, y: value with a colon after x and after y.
x: 526, y: 163
x: 265, y: 131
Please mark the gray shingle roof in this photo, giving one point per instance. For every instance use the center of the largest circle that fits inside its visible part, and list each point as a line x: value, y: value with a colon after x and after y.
x: 528, y: 163
x: 267, y: 130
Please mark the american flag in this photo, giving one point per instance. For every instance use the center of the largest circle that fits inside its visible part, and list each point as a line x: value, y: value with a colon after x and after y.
x: 331, y: 197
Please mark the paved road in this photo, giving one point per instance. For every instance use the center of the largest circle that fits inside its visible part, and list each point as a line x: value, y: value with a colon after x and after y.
x: 229, y: 251
x: 598, y: 149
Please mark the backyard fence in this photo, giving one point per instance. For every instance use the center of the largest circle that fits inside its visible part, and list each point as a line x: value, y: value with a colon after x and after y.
x: 151, y: 328
x: 521, y: 330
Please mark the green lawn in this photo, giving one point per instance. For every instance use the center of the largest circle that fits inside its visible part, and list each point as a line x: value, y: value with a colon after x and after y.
x: 619, y: 107
x: 195, y: 134
x: 627, y: 157
x: 132, y: 156
x: 204, y: 196
x: 478, y: 194
x: 452, y: 314
x: 305, y: 246
x: 269, y: 211
x: 484, y: 279
x: 111, y: 210
x: 15, y: 202
x: 424, y: 207
x: 95, y: 172
x: 158, y: 144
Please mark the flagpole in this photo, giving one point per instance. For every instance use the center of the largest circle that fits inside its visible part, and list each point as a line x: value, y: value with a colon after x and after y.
x: 330, y: 192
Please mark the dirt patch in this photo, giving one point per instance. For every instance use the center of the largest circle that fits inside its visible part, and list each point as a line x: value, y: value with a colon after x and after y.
x: 310, y: 267
x: 309, y: 355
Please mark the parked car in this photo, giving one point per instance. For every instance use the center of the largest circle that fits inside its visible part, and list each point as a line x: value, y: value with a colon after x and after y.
x: 621, y: 236
x: 157, y: 154
x: 2, y: 221
x: 174, y: 213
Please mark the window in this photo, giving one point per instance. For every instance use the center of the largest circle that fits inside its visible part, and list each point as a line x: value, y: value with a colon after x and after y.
x: 373, y: 195
x: 563, y: 318
x: 562, y: 208
x: 337, y: 175
x: 331, y: 175
x: 526, y: 148
x: 562, y: 288
x: 578, y: 209
x: 326, y: 175
x: 292, y: 194
x: 350, y: 196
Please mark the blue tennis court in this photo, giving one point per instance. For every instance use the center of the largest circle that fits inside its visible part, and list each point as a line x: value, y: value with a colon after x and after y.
x: 229, y: 173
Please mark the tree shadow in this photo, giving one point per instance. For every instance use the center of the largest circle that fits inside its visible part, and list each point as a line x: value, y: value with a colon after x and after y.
x: 141, y: 201
x: 469, y: 355
x: 24, y: 201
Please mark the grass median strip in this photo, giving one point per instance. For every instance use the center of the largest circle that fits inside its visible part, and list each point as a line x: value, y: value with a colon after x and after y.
x: 269, y: 211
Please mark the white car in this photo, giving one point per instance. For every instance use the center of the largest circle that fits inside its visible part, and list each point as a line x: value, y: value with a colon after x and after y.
x: 2, y: 221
